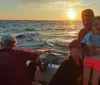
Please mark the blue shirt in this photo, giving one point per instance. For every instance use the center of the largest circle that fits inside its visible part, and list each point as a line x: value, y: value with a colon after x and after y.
x: 92, y: 40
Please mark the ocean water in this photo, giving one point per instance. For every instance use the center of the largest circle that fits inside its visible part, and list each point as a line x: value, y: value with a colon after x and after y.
x: 52, y: 35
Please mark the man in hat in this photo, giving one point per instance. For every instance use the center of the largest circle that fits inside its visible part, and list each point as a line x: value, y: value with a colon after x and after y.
x: 13, y: 68
x: 70, y: 71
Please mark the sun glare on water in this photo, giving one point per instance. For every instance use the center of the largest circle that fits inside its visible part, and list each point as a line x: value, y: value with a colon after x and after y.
x: 71, y: 14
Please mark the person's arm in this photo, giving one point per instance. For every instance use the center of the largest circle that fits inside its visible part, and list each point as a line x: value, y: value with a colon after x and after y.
x: 39, y: 60
x: 43, y: 51
x: 81, y: 34
x: 39, y: 63
x: 31, y: 55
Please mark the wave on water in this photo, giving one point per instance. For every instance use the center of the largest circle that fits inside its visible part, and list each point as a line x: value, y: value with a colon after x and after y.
x: 26, y: 36
x: 29, y: 29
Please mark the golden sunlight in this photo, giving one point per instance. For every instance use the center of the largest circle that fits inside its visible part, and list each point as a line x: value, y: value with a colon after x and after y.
x: 71, y: 14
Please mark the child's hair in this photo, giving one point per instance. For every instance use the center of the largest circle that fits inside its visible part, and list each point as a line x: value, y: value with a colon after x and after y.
x: 96, y: 18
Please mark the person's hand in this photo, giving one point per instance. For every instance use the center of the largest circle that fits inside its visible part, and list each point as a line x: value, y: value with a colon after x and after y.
x: 44, y: 51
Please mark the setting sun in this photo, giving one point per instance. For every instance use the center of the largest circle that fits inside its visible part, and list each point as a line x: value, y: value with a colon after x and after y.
x: 71, y: 14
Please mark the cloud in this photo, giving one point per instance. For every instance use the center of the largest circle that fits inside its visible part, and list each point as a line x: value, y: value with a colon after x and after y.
x: 90, y: 4
x: 49, y: 4
x: 57, y: 5
x: 45, y: 1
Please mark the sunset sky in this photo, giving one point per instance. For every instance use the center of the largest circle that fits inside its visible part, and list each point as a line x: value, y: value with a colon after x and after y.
x: 45, y: 9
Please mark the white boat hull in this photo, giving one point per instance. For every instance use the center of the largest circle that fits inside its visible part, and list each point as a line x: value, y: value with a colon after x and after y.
x: 46, y: 75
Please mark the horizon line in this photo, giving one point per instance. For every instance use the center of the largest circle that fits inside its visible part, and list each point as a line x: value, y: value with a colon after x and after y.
x: 36, y: 20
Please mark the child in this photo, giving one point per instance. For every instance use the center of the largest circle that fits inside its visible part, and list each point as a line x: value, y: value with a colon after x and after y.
x: 92, y: 40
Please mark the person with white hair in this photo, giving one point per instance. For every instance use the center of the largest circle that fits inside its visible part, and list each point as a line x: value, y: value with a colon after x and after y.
x: 13, y: 68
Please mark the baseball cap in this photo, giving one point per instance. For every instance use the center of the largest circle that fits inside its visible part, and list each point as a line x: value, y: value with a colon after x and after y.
x: 8, y: 39
x: 75, y: 44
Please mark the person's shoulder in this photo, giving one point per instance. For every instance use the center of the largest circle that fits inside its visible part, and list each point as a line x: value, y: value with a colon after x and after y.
x: 67, y: 60
x: 66, y: 63
x: 82, y: 31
